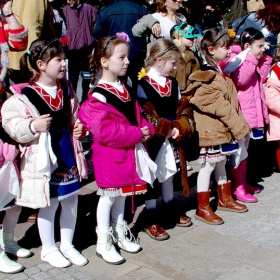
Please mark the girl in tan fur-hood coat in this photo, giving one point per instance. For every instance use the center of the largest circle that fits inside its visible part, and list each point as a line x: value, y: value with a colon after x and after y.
x: 218, y: 121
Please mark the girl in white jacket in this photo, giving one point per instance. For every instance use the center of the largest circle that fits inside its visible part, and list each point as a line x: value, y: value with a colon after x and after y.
x: 42, y: 118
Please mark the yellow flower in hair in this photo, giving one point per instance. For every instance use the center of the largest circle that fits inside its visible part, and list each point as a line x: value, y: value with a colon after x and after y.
x: 142, y: 73
x: 231, y: 33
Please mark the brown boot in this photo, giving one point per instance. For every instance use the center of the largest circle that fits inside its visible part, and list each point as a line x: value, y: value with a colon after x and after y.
x: 226, y: 202
x: 204, y: 212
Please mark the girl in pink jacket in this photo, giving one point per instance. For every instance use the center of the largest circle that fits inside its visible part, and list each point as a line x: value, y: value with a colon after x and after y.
x: 113, y: 117
x: 272, y: 95
x: 248, y: 66
x: 9, y: 188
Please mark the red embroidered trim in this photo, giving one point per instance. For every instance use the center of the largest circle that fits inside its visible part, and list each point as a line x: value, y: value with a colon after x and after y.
x: 54, y: 103
x: 124, y: 96
x: 276, y: 70
x: 162, y: 91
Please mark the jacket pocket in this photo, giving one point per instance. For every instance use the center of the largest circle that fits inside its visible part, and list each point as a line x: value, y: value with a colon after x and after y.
x: 120, y: 156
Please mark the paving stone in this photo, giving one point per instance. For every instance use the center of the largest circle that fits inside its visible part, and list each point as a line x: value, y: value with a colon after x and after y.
x: 45, y: 266
x: 32, y: 270
x: 64, y: 276
x: 41, y: 276
x: 18, y: 276
x: 55, y: 271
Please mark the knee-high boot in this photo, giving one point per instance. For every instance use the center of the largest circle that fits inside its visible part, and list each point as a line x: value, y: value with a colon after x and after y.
x: 204, y: 212
x: 226, y: 202
x: 239, y: 190
x: 249, y: 188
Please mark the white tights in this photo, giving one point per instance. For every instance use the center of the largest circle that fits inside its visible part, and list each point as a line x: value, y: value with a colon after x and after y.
x: 203, y: 178
x: 109, y: 208
x: 11, y: 218
x: 166, y: 192
x: 67, y: 221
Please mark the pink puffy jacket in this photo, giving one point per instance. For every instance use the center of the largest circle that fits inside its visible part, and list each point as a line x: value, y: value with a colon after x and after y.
x: 114, y: 143
x: 272, y: 95
x: 248, y: 79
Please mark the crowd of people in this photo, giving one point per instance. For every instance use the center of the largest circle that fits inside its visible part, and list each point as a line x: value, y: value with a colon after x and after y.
x: 160, y: 88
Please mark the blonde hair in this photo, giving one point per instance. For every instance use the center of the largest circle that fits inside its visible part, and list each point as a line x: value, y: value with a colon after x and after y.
x: 163, y: 48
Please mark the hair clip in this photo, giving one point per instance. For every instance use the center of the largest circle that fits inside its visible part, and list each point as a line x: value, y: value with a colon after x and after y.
x: 28, y: 52
x: 124, y: 36
x: 64, y: 40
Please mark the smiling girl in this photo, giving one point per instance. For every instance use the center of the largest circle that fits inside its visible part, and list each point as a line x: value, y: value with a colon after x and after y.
x: 158, y: 94
x: 42, y: 117
x: 218, y: 121
x: 248, y: 66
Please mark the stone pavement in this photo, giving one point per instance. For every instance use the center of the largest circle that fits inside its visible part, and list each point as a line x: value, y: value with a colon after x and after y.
x: 245, y: 247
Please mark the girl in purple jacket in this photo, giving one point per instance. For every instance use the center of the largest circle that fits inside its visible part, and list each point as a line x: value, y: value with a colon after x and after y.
x: 113, y: 117
x: 248, y: 66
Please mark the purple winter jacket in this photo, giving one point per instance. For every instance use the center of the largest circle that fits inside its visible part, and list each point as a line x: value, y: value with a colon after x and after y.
x: 248, y: 79
x: 114, y: 140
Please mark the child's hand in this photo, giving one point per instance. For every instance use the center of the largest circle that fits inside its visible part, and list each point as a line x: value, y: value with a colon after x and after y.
x: 146, y: 133
x: 78, y: 130
x: 173, y: 132
x: 42, y: 123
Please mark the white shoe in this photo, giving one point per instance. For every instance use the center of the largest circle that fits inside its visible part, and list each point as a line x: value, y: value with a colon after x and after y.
x: 10, y: 246
x: 105, y: 248
x: 55, y: 258
x: 74, y: 256
x: 7, y: 265
x: 189, y: 167
x: 130, y: 244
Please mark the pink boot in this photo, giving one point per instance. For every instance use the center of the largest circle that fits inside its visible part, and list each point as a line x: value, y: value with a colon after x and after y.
x: 249, y: 188
x: 239, y: 190
x: 242, y: 195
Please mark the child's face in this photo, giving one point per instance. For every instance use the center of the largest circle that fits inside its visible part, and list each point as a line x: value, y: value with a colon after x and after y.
x: 169, y: 65
x: 118, y: 61
x: 221, y: 53
x: 188, y: 43
x: 257, y: 47
x: 55, y: 68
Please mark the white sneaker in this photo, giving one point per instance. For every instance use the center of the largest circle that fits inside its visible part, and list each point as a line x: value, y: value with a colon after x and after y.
x: 7, y: 265
x: 74, y: 256
x: 189, y: 167
x: 55, y: 258
x: 10, y: 246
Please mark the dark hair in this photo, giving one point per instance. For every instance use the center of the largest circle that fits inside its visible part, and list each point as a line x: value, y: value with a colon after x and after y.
x: 216, y: 38
x: 249, y: 35
x: 271, y: 16
x: 39, y: 50
x: 104, y: 48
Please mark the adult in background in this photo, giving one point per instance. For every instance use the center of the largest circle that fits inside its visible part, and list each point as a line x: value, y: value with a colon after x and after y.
x: 80, y: 18
x: 263, y: 18
x: 120, y: 17
x: 35, y: 15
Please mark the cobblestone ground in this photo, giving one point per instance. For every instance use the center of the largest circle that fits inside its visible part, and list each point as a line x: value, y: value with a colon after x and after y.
x: 254, y: 237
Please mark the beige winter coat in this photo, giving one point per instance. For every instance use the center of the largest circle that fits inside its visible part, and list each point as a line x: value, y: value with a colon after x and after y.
x: 17, y: 114
x: 217, y: 114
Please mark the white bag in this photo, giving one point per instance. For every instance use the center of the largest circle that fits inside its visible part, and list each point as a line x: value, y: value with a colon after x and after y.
x: 145, y: 167
x: 9, y: 184
x: 165, y: 162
